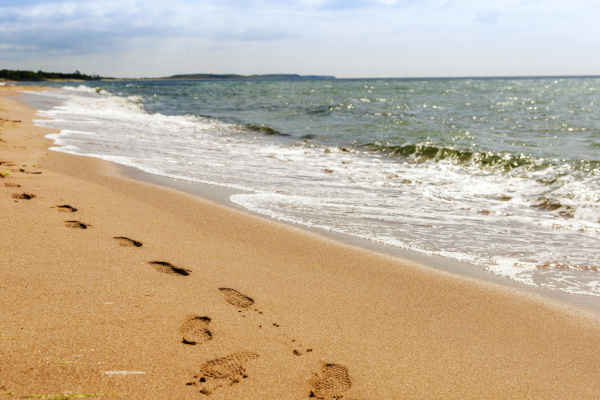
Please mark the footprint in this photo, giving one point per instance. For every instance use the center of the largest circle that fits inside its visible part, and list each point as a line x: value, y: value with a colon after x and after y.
x: 23, y: 196
x: 235, y: 298
x: 168, y: 268
x: 66, y: 208
x: 333, y: 380
x: 12, y: 185
x: 195, y: 330
x: 222, y: 371
x: 126, y: 242
x: 27, y: 172
x: 76, y: 225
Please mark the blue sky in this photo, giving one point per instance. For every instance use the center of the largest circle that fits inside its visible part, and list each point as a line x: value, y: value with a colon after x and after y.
x: 352, y: 38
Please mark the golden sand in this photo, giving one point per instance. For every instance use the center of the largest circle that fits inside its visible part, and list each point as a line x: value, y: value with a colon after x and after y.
x: 116, y: 289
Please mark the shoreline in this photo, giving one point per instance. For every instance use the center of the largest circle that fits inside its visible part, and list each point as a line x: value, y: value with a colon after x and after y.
x: 326, y: 318
x: 220, y: 195
x: 509, y: 235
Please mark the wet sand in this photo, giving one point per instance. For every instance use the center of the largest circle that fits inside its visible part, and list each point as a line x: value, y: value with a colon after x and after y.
x: 117, y: 288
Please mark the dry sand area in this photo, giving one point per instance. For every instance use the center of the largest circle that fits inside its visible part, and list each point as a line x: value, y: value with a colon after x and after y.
x: 112, y: 288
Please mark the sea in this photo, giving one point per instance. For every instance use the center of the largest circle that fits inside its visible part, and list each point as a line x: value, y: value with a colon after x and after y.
x: 502, y: 173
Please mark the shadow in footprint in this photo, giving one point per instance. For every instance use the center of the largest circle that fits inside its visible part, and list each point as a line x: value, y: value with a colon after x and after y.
x: 126, y: 242
x: 12, y: 185
x: 66, y: 208
x: 236, y: 298
x: 223, y: 371
x: 23, y: 196
x: 27, y: 172
x: 76, y: 225
x: 194, y: 330
x: 168, y: 268
x: 331, y: 382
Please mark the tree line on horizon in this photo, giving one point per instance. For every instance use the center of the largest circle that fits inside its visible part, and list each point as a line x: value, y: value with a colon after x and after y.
x: 18, y: 75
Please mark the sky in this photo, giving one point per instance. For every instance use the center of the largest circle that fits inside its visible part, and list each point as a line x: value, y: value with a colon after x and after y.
x: 344, y: 38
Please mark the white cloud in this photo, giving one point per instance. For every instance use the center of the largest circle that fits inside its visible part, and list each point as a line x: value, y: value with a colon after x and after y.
x: 341, y: 37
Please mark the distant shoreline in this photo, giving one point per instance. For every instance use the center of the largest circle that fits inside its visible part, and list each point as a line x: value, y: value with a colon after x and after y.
x: 41, y: 76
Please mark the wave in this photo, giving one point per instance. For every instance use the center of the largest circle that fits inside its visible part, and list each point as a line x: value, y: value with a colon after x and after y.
x: 490, y: 160
x: 422, y: 152
x: 85, y: 89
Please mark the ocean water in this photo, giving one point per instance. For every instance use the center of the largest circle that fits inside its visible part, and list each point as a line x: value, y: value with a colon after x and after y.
x: 501, y: 173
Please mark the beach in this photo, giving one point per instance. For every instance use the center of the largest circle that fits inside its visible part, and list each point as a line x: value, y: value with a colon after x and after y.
x: 508, y: 186
x: 115, y: 288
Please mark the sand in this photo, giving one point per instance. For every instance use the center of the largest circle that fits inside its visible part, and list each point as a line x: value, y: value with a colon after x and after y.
x: 165, y: 295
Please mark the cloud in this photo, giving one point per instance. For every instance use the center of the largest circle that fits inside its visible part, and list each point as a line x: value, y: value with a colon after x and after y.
x: 342, y: 37
x: 83, y: 26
